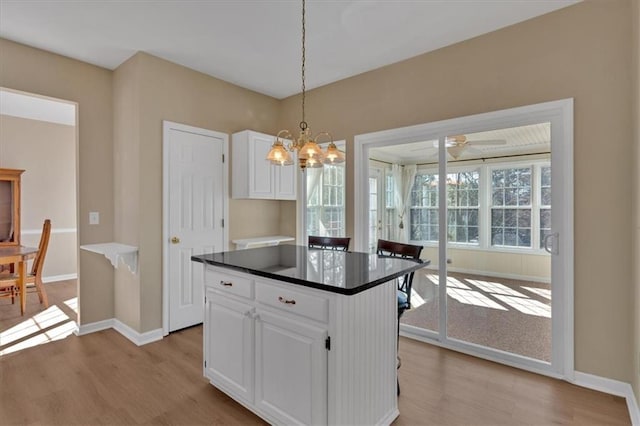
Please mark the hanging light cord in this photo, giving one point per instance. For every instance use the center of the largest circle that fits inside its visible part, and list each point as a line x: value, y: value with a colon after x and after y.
x: 303, y: 123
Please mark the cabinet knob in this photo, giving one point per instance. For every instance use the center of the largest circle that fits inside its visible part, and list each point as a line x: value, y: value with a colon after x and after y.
x: 175, y: 240
x: 226, y: 283
x: 286, y: 301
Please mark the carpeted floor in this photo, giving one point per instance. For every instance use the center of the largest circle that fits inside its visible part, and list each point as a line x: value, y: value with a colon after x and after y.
x: 504, y: 314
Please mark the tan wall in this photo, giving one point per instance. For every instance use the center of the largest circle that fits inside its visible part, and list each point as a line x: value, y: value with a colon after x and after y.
x: 126, y: 185
x: 43, y: 150
x: 635, y: 54
x: 36, y: 71
x: 167, y: 91
x: 582, y: 52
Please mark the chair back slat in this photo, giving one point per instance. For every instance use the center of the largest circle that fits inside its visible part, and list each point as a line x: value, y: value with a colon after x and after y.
x: 332, y: 243
x: 38, y: 262
x: 405, y: 251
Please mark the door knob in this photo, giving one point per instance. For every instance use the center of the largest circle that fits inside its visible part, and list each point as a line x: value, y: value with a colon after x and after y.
x: 175, y: 240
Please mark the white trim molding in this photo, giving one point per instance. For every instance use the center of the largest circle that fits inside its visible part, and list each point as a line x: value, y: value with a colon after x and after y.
x: 134, y: 336
x: 612, y: 387
x: 53, y: 231
x: 56, y: 278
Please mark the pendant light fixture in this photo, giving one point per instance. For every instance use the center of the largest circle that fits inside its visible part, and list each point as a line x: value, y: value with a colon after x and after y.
x: 308, y: 151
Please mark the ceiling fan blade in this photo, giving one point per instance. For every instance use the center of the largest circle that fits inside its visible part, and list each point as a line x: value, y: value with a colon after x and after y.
x: 487, y: 142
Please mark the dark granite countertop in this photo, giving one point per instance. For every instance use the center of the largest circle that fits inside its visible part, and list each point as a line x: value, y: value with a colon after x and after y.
x: 334, y: 271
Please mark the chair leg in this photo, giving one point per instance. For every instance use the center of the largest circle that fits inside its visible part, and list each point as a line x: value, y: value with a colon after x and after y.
x: 42, y: 294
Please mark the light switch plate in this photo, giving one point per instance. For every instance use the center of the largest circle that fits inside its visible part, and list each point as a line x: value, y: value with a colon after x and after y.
x: 94, y: 218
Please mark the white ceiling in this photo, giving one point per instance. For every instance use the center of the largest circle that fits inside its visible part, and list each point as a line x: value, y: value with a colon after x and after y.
x: 257, y: 43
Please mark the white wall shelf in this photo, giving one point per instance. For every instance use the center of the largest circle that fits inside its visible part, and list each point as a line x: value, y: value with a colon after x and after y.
x: 245, y: 243
x: 116, y: 252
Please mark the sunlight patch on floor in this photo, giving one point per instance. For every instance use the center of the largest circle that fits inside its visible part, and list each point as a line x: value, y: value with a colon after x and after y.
x: 416, y: 299
x: 495, y: 288
x: 526, y: 305
x: 46, y: 326
x: 47, y: 318
x: 470, y: 297
x: 56, y: 333
x: 451, y: 282
x: 72, y: 304
x: 543, y: 292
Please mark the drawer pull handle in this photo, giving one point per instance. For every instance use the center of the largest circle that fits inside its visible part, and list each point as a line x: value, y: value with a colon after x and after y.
x: 285, y: 301
x: 226, y: 283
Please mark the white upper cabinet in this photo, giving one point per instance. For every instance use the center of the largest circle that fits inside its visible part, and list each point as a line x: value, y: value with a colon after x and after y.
x: 252, y: 175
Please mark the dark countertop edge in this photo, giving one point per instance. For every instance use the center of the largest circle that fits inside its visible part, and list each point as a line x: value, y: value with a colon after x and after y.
x: 311, y: 284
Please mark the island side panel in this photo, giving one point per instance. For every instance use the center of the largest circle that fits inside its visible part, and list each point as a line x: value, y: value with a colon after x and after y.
x: 362, y: 360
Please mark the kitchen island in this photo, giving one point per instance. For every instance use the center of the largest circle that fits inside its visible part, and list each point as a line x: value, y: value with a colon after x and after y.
x: 304, y: 336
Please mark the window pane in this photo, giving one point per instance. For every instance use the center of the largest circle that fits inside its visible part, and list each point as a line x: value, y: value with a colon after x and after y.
x: 524, y: 218
x: 497, y: 236
x: 510, y: 218
x: 497, y: 217
x: 524, y: 237
x: 498, y: 197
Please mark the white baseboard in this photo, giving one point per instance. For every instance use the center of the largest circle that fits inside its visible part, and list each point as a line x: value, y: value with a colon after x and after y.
x: 54, y: 278
x: 613, y: 387
x: 138, y: 338
x: 93, y: 327
x: 134, y: 336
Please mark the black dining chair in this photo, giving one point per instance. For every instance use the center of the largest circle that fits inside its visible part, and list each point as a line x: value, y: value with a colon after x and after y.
x: 329, y: 243
x: 405, y: 251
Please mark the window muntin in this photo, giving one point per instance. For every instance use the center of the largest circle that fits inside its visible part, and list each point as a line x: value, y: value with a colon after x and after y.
x: 390, y: 222
x: 526, y: 207
x: 545, y: 203
x: 511, y: 207
x: 462, y: 202
x: 423, y: 210
x: 326, y: 206
x: 373, y: 213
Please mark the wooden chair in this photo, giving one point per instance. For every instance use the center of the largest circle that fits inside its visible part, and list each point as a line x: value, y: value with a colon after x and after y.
x: 331, y: 243
x: 405, y: 251
x: 9, y: 283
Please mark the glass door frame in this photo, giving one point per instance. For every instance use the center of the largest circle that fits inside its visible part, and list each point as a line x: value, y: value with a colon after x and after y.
x: 560, y: 115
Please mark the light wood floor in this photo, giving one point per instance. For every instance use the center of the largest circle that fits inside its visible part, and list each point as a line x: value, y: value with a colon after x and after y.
x: 102, y: 378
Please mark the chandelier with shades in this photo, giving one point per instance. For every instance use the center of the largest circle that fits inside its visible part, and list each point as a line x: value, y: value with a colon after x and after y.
x: 308, y: 151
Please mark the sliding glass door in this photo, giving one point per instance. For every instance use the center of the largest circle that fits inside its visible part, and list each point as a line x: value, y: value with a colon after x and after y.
x: 483, y: 205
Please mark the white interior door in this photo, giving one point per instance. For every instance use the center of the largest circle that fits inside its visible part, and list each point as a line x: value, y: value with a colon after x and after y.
x: 195, y: 199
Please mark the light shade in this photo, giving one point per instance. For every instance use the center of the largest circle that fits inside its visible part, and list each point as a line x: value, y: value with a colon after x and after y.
x: 333, y: 155
x: 311, y: 150
x: 278, y: 155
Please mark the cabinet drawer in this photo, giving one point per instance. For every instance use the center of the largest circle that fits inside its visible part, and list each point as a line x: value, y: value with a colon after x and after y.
x: 229, y: 284
x: 293, y: 301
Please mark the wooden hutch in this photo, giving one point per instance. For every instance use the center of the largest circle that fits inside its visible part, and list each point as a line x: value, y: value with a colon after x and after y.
x: 10, y: 207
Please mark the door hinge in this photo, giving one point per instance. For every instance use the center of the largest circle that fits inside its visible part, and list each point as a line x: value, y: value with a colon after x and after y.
x: 327, y: 343
x: 205, y: 364
x: 223, y: 158
x: 223, y: 223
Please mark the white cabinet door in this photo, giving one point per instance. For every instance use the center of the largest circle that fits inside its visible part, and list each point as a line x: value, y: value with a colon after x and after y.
x: 261, y: 176
x: 285, y: 177
x: 291, y: 370
x: 229, y: 339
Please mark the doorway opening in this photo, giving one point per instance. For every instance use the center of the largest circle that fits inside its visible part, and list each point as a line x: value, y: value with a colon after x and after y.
x: 39, y: 136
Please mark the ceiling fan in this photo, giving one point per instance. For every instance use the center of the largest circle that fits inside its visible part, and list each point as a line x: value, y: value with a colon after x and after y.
x: 457, y: 144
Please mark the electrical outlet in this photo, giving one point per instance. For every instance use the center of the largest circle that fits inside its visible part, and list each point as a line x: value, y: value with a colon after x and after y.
x: 94, y: 218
